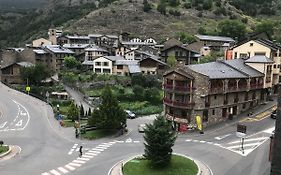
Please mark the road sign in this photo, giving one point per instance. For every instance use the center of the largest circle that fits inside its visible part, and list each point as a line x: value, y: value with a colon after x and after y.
x: 241, y: 128
x: 27, y: 88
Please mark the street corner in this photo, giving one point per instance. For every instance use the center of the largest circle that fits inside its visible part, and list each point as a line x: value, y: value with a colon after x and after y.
x: 12, y: 152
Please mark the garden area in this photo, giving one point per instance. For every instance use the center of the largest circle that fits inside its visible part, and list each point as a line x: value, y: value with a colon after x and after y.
x: 178, y: 166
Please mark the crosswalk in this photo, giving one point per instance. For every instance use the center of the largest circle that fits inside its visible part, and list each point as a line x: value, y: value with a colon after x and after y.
x: 250, y: 143
x: 78, y: 162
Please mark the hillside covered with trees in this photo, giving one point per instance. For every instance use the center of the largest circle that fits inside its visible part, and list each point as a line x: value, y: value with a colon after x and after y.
x: 160, y: 19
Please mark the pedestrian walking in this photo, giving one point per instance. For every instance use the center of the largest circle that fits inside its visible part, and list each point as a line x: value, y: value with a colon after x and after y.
x: 80, y: 151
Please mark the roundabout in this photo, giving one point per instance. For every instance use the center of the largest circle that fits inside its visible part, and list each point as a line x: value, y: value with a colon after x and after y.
x: 180, y: 165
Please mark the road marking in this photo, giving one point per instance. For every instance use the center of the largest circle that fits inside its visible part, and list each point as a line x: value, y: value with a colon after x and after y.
x: 81, y: 158
x: 248, y: 140
x: 97, y: 152
x: 90, y: 154
x: 45, y: 173
x: 75, y: 164
x: 95, y: 149
x: 269, y: 130
x: 129, y: 140
x: 28, y: 116
x: 19, y: 123
x: 79, y: 161
x: 63, y: 170
x: 188, y: 140
x: 87, y: 156
x: 238, y: 146
x: 222, y: 137
x: 202, y: 141
x: 55, y: 172
x: 70, y: 167
x: 136, y: 141
x: 3, y: 124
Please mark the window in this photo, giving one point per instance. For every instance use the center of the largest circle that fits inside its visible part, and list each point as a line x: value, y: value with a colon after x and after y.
x: 235, y: 55
x: 213, y: 112
x: 215, y: 97
x: 119, y: 66
x: 274, y: 66
x: 243, y: 55
x: 97, y: 63
x: 105, y: 63
x: 244, y: 105
x: 260, y: 53
x: 176, y: 53
x: 251, y: 44
x: 106, y: 71
x: 98, y: 70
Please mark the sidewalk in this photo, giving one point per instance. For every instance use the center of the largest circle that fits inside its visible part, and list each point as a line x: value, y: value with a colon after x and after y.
x: 13, y: 151
x: 203, y: 169
x: 244, y: 115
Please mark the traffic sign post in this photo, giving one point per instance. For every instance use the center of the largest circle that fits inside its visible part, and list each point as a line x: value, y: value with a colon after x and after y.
x: 27, y: 89
x: 241, y: 132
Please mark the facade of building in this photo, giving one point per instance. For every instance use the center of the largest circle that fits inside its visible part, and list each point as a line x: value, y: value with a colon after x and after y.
x: 41, y: 42
x: 152, y: 66
x: 217, y: 43
x: 261, y: 47
x: 215, y: 91
x: 11, y: 73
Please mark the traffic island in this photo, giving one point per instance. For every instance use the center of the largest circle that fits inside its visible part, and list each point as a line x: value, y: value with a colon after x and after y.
x: 180, y: 165
x: 4, y: 150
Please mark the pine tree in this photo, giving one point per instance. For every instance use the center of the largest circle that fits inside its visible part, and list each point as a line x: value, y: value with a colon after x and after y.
x: 110, y: 115
x: 159, y: 139
x: 72, y: 112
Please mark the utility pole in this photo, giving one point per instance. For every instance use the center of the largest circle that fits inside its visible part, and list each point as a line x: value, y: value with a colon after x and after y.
x: 276, y: 154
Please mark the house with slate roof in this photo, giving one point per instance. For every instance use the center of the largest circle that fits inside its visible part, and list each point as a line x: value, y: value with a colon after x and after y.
x: 270, y: 51
x: 215, y: 91
x: 11, y: 73
x: 184, y: 56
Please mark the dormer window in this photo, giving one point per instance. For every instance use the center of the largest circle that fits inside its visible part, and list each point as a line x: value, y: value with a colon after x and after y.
x: 251, y: 44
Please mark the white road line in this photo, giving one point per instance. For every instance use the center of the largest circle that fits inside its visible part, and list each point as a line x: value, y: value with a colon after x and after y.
x: 77, y: 149
x: 74, y: 164
x: 136, y: 141
x: 28, y: 116
x: 70, y: 167
x: 63, y: 170
x: 269, y: 130
x: 188, y: 140
x: 55, y: 172
x: 78, y: 161
x: 202, y: 141
x: 81, y: 158
x: 195, y: 140
x: 91, y: 154
x: 3, y: 124
x: 222, y: 137
x: 238, y: 146
x: 121, y: 141
x: 45, y: 173
x: 112, y: 142
x: 248, y: 140
x: 71, y: 151
x: 210, y: 143
x: 97, y: 152
x: 87, y: 156
x: 99, y: 147
x: 95, y: 149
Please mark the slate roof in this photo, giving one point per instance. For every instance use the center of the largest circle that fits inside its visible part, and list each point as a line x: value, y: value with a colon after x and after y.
x: 161, y: 62
x: 215, y: 38
x: 126, y: 62
x: 22, y: 64
x: 239, y: 64
x: 95, y: 48
x: 95, y: 35
x: 58, y: 49
x: 77, y: 37
x: 74, y: 46
x: 259, y: 59
x: 148, y: 54
x: 87, y: 62
x: 114, y: 58
x: 134, y: 69
x: 39, y: 51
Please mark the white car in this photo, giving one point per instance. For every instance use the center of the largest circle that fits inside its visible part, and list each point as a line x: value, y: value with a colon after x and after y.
x: 141, y: 127
x: 130, y: 114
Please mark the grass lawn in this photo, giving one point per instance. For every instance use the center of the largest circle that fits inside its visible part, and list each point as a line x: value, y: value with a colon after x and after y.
x: 96, y: 134
x: 179, y: 166
x: 3, y: 149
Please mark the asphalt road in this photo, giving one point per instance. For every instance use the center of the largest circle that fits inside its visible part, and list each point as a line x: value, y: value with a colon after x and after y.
x: 48, y: 149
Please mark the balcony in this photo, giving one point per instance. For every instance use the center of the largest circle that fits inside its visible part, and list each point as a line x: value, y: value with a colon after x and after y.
x: 182, y: 88
x: 232, y: 88
x: 178, y: 103
x: 168, y: 86
x: 257, y: 86
x: 242, y: 87
x: 216, y: 90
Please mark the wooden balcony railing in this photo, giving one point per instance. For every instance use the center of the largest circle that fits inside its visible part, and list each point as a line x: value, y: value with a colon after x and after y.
x: 256, y: 86
x: 178, y: 103
x: 216, y: 90
x: 168, y: 86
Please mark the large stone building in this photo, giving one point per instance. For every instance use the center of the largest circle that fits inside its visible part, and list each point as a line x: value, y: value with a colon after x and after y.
x: 215, y: 91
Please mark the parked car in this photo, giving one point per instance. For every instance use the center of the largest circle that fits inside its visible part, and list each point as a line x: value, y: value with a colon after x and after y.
x: 130, y: 114
x: 141, y: 128
x: 273, y: 114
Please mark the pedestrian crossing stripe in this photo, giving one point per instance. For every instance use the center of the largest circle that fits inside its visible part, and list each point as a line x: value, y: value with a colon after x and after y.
x: 63, y: 170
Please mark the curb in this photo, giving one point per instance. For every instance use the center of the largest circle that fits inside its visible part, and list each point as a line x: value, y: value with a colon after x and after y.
x: 6, y: 153
x: 124, y: 161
